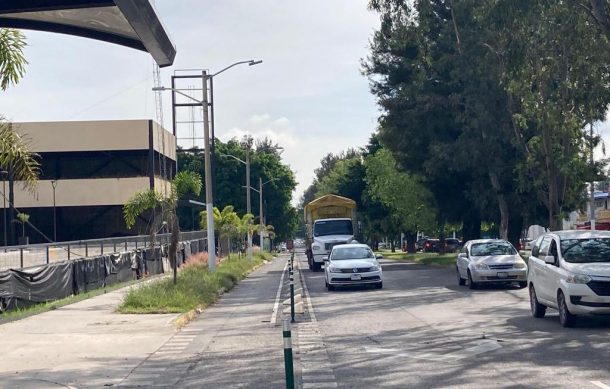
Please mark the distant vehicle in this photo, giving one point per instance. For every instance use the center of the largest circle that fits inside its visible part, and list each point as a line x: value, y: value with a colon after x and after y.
x: 431, y: 246
x: 352, y: 264
x: 419, y: 245
x: 490, y: 260
x: 452, y: 245
x: 525, y: 244
x: 570, y: 272
x: 330, y: 221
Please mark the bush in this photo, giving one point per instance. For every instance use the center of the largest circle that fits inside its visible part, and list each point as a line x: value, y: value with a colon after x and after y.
x: 196, y: 286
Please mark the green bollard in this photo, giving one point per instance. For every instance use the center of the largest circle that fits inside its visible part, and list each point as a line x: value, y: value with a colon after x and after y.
x: 288, y: 355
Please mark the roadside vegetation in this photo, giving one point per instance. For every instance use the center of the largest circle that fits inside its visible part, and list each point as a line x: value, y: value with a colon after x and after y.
x: 196, y: 286
x: 422, y: 258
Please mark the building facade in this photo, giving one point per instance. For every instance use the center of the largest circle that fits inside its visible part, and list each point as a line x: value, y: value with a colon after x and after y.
x: 89, y: 170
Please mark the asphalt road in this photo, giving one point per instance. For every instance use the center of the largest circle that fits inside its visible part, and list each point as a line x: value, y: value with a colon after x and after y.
x: 422, y: 330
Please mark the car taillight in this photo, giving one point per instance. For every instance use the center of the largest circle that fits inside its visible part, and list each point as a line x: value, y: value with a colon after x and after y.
x: 427, y: 244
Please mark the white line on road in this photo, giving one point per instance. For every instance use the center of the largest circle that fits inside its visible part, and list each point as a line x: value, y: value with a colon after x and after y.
x: 481, y: 347
x: 306, y: 291
x: 277, y: 297
x: 600, y: 384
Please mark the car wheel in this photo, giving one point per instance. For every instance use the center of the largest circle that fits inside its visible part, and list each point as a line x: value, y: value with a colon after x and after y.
x: 316, y: 267
x: 538, y: 310
x: 471, y: 283
x: 565, y: 317
x: 329, y: 286
x: 522, y: 284
x: 461, y: 281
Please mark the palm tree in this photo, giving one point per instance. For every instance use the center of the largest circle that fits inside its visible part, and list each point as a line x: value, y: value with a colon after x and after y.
x: 15, y: 157
x: 12, y: 60
x: 226, y: 223
x: 184, y: 183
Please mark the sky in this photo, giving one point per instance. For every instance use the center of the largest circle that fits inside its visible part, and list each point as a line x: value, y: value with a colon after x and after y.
x: 308, y: 94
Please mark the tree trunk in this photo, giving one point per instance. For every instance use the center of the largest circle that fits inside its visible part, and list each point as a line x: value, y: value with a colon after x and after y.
x: 515, y: 228
x: 411, y: 238
x: 471, y: 226
x: 551, y: 172
x: 502, y: 204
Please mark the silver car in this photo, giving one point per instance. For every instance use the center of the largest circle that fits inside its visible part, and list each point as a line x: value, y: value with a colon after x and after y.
x: 352, y: 264
x: 490, y: 260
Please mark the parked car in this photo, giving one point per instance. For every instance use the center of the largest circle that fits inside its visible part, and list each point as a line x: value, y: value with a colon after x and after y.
x: 490, y: 260
x: 452, y: 245
x: 419, y: 245
x: 570, y: 272
x: 352, y: 264
x: 431, y: 246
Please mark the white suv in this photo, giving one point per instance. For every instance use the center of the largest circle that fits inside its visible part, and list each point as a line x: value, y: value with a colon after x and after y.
x: 570, y: 271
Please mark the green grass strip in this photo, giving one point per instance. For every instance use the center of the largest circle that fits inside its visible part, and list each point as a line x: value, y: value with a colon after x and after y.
x: 196, y: 287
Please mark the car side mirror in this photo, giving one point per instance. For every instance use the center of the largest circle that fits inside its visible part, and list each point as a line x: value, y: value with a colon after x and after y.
x: 325, y: 259
x: 550, y: 259
x: 378, y: 256
x: 462, y: 255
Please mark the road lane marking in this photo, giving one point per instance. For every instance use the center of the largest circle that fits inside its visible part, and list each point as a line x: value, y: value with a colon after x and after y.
x: 482, y: 347
x: 600, y: 384
x: 277, y: 297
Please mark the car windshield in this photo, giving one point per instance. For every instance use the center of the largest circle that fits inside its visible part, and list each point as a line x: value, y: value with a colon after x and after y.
x: 586, y: 250
x: 332, y: 227
x: 492, y: 248
x: 352, y: 253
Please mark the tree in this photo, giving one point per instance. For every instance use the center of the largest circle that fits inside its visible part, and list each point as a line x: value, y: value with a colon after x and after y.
x: 24, y: 219
x: 149, y: 200
x: 12, y: 60
x: 226, y: 223
x: 409, y: 204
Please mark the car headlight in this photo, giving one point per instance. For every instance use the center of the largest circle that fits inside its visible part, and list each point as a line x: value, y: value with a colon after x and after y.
x: 520, y: 265
x: 481, y: 266
x: 374, y: 268
x: 578, y: 279
x: 333, y: 269
x: 315, y: 247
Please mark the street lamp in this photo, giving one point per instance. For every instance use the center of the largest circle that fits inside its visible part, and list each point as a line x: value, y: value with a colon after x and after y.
x: 4, y: 174
x: 211, y: 78
x: 208, y: 169
x: 248, y: 201
x: 54, y: 185
x: 260, y: 196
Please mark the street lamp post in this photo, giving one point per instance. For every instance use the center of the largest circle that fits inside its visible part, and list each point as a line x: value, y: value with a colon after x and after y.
x: 4, y: 174
x: 208, y: 169
x: 260, y: 199
x: 248, y: 198
x: 213, y: 133
x: 54, y: 185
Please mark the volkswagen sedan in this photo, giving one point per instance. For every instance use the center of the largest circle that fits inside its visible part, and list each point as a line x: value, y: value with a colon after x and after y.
x: 352, y: 264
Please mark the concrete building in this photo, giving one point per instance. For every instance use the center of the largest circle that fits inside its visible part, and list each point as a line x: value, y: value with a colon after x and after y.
x: 89, y: 171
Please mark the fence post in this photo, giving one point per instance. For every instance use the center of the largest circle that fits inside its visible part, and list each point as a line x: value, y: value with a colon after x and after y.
x: 288, y: 367
x: 136, y: 243
x: 68, y: 251
x: 114, y: 245
x: 86, y: 249
x: 102, y: 248
x: 47, y: 254
x: 125, y: 244
x: 21, y: 256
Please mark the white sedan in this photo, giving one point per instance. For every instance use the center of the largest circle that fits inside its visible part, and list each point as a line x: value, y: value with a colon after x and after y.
x: 490, y: 260
x: 352, y: 264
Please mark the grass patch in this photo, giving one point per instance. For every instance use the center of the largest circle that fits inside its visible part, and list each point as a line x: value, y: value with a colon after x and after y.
x: 422, y: 258
x: 196, y: 287
x: 36, y: 309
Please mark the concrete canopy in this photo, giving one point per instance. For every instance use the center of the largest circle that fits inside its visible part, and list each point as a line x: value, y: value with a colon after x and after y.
x: 130, y: 23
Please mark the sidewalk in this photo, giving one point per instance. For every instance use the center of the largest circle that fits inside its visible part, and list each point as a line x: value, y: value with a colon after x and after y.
x: 232, y: 344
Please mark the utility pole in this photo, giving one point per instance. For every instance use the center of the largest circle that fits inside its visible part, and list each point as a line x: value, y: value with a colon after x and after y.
x: 248, y: 202
x: 592, y: 206
x: 260, y: 211
x: 208, y: 176
x: 54, y: 185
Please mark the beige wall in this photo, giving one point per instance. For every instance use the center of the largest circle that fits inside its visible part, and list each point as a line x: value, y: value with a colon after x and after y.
x: 101, y: 191
x: 95, y: 135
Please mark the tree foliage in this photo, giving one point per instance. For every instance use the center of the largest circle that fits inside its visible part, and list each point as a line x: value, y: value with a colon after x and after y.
x: 12, y: 60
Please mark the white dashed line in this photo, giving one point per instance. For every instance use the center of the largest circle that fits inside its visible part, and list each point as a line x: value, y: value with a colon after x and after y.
x: 276, y: 306
x: 600, y: 384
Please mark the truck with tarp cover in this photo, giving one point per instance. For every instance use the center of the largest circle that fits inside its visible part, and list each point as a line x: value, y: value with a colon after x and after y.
x: 329, y: 220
